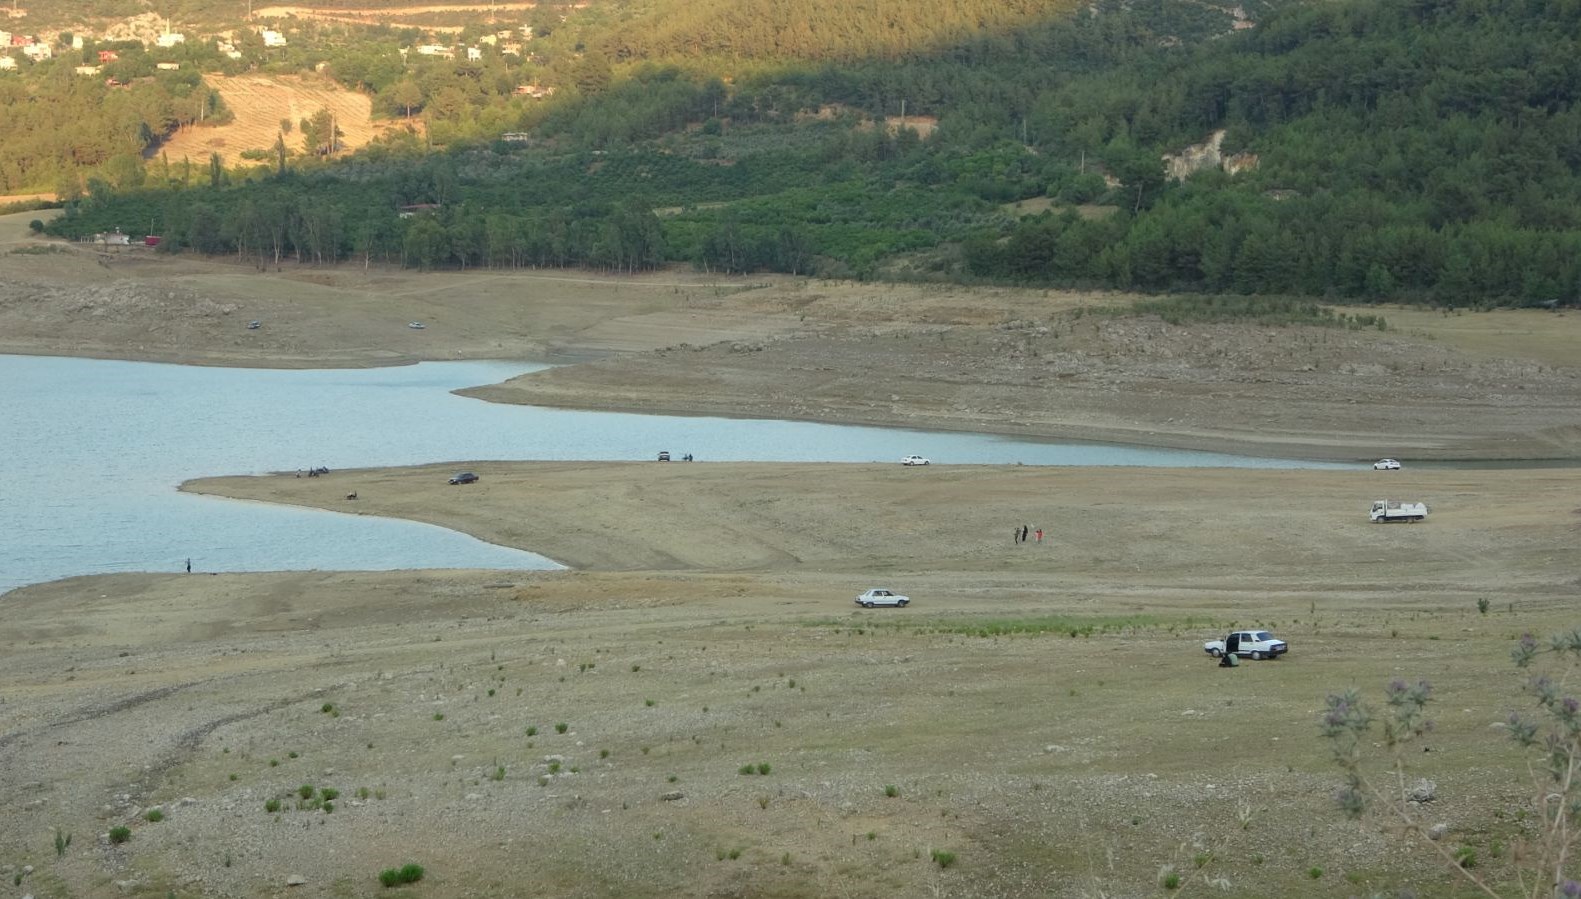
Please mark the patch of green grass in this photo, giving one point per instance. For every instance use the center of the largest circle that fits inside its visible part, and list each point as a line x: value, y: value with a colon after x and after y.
x: 408, y: 873
x: 154, y: 816
x: 943, y: 858
x: 891, y: 791
x: 561, y: 728
x: 532, y: 731
x: 120, y: 834
x: 329, y: 794
x: 272, y: 806
x: 305, y: 791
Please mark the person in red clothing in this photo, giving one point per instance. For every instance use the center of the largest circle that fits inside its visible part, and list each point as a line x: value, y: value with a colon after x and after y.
x: 1039, y: 533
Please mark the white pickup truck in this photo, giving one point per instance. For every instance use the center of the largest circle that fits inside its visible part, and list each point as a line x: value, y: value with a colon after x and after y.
x: 1247, y: 644
x: 1394, y: 510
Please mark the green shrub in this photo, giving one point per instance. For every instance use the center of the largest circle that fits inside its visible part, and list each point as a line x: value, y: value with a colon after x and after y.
x: 272, y: 806
x: 305, y: 791
x: 942, y: 858
x: 561, y: 728
x: 329, y: 794
x: 891, y: 790
x: 154, y: 815
x: 408, y: 873
x: 120, y: 835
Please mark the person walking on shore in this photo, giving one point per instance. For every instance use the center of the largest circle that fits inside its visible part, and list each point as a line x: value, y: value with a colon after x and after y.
x: 189, y: 566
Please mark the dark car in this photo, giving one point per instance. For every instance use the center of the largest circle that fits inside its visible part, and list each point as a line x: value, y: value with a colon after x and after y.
x: 465, y: 477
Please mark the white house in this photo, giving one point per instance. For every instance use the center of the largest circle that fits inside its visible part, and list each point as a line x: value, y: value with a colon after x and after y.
x: 167, y: 66
x: 37, y: 52
x: 168, y: 39
x: 7, y: 64
x: 272, y: 38
x: 228, y: 49
x: 88, y: 70
x: 436, y: 50
x: 474, y: 54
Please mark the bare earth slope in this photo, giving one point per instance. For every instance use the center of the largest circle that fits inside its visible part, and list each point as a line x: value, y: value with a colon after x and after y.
x: 1504, y: 385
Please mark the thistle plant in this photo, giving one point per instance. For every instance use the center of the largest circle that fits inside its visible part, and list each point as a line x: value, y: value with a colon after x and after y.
x: 1551, y: 732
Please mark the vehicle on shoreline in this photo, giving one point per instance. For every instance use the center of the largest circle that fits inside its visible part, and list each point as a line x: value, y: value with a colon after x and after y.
x: 880, y: 596
x: 464, y: 477
x: 1247, y: 645
x: 914, y: 460
x: 1386, y: 465
x: 1394, y: 510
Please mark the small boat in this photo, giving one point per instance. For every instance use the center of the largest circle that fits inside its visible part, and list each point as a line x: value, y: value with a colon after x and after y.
x: 416, y: 326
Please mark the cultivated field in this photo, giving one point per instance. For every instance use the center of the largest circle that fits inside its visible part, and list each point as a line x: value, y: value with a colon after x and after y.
x: 259, y: 103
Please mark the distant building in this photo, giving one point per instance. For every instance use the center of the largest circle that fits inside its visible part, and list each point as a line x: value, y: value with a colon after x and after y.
x: 76, y: 42
x: 407, y: 212
x: 516, y: 137
x: 37, y: 52
x: 272, y: 38
x: 227, y: 50
x: 436, y: 50
x: 474, y: 54
x: 108, y: 56
x: 7, y: 64
x: 511, y: 49
x: 168, y: 40
x: 535, y: 91
x: 5, y: 38
x: 167, y: 66
x: 88, y: 70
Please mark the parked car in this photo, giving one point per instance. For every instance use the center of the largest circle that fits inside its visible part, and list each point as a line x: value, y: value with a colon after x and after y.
x: 465, y: 477
x: 1386, y: 465
x: 416, y: 326
x: 913, y: 460
x: 664, y: 456
x: 254, y: 325
x: 879, y: 596
x: 1248, y: 644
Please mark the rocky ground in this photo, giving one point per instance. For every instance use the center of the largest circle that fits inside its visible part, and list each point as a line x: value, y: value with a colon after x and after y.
x: 1042, y: 716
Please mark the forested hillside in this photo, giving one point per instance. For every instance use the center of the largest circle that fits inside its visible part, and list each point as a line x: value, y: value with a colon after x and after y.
x: 1401, y: 149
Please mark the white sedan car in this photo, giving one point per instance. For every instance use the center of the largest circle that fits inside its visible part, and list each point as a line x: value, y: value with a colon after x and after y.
x: 913, y: 460
x: 1386, y: 465
x: 878, y: 596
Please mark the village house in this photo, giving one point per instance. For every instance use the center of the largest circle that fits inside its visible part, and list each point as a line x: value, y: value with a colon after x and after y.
x: 38, y: 52
x: 227, y: 50
x: 474, y: 54
x: 5, y: 38
x: 272, y: 38
x: 535, y: 91
x: 168, y: 40
x: 7, y: 64
x: 436, y: 50
x: 167, y: 66
x: 88, y: 70
x: 108, y: 56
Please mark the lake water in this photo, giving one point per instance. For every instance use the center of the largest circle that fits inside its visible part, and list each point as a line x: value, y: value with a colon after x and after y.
x: 91, y: 452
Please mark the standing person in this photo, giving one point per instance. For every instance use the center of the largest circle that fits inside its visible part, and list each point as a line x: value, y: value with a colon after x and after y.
x: 189, y: 566
x: 1039, y: 533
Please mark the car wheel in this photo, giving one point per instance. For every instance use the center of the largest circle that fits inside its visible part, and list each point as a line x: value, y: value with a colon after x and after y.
x: 867, y: 605
x: 1215, y: 653
x: 1257, y: 655
x: 902, y: 605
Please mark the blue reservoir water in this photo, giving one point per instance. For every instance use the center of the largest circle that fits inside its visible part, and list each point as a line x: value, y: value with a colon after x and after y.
x: 91, y: 452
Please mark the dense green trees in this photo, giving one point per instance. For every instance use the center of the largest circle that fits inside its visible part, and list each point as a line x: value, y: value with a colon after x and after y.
x: 1403, y: 151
